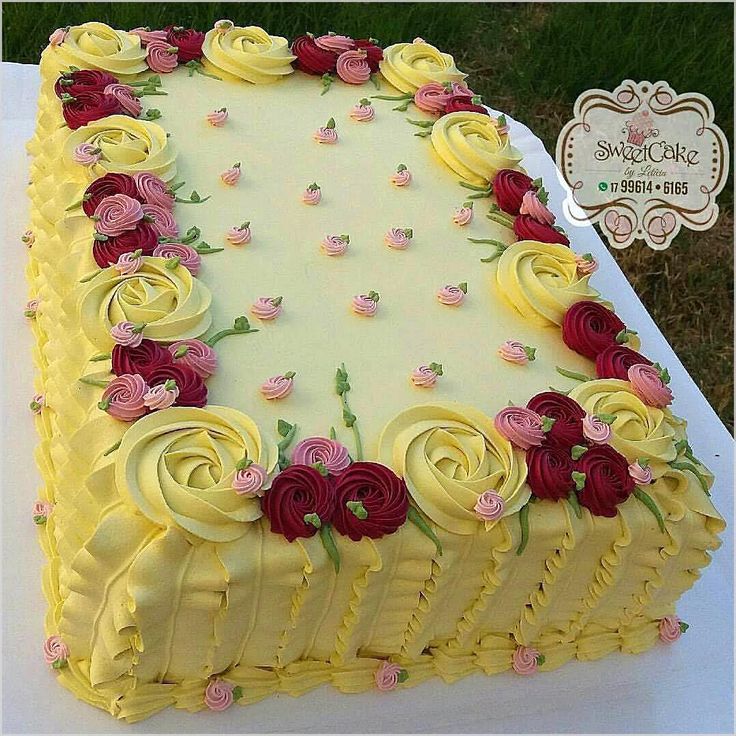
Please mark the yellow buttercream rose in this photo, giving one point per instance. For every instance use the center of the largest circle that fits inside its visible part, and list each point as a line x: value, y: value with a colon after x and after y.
x: 171, y: 302
x: 408, y: 66
x: 176, y: 467
x: 469, y: 143
x: 127, y: 146
x: 638, y: 431
x: 449, y: 454
x: 541, y: 281
x: 97, y: 46
x: 248, y: 53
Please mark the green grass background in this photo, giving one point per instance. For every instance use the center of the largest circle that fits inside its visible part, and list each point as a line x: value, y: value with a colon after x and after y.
x: 531, y: 60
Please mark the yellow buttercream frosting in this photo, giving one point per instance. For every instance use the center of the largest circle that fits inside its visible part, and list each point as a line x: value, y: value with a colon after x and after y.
x: 469, y: 143
x: 409, y: 66
x: 159, y: 578
x: 97, y: 46
x: 449, y: 455
x: 541, y: 281
x: 248, y: 53
x: 176, y: 467
x: 170, y: 301
x: 127, y: 146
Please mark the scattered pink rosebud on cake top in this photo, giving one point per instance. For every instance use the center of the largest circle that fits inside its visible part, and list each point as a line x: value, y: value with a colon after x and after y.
x: 231, y: 176
x: 267, y: 308
x: 363, y: 112
x: 326, y: 134
x: 452, y: 296
x: 398, y: 238
x: 513, y: 351
x: 402, y: 177
x: 312, y: 194
x: 335, y: 245
x: 586, y: 264
x: 128, y: 333
x: 217, y: 118
x: 425, y: 376
x: 641, y: 473
x: 239, y: 235
x: 278, y: 387
x: 463, y: 215
x: 366, y: 305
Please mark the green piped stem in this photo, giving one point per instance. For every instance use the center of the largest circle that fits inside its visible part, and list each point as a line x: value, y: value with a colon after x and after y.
x: 680, y: 465
x: 287, y: 432
x: 328, y: 541
x: 224, y: 333
x: 111, y: 449
x: 650, y: 503
x: 572, y: 499
x: 416, y: 518
x: 524, y: 524
x: 395, y: 98
x: 350, y: 420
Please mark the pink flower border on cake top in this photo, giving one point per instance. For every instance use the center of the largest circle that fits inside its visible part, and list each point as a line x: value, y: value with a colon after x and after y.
x: 322, y: 487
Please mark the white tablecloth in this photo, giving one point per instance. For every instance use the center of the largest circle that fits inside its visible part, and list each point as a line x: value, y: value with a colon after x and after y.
x: 687, y: 687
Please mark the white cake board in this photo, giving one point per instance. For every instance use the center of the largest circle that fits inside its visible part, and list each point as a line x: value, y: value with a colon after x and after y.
x: 685, y: 688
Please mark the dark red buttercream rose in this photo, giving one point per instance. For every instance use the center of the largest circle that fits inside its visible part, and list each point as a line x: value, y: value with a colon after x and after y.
x: 374, y: 53
x: 607, y: 480
x: 310, y: 58
x: 107, y: 252
x: 509, y: 188
x: 86, y: 107
x: 567, y: 429
x: 142, y: 359
x: 615, y: 361
x: 296, y: 492
x: 83, y: 80
x: 188, y: 41
x: 550, y: 472
x: 527, y: 228
x: 383, y: 499
x: 463, y: 103
x: 192, y: 391
x: 589, y: 328
x: 106, y: 186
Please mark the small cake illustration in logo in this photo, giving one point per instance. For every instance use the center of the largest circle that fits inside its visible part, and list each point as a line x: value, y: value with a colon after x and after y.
x: 639, y: 128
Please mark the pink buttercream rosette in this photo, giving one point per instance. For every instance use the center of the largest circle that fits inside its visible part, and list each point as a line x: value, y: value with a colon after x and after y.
x: 116, y: 214
x: 525, y: 660
x: 195, y: 354
x: 670, y: 629
x: 219, y: 694
x: 330, y: 453
x: 388, y: 676
x: 250, y: 480
x: 489, y: 506
x: 520, y: 426
x: 55, y: 652
x: 596, y: 430
x: 153, y: 190
x: 124, y: 397
x: 186, y: 255
x: 648, y: 385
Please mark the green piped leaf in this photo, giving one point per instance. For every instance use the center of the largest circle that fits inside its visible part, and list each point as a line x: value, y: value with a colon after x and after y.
x: 531, y: 353
x: 313, y: 519
x: 421, y: 123
x: 649, y: 502
x: 283, y: 428
x: 684, y: 626
x: 578, y: 451
x: 541, y: 659
x: 191, y: 235
x: 547, y: 423
x: 579, y: 480
x: 237, y: 693
x: 111, y: 449
x: 418, y: 520
x: 524, y: 524
x: 328, y: 541
x: 606, y: 418
x: 402, y: 676
x: 357, y: 508
x: 574, y: 375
